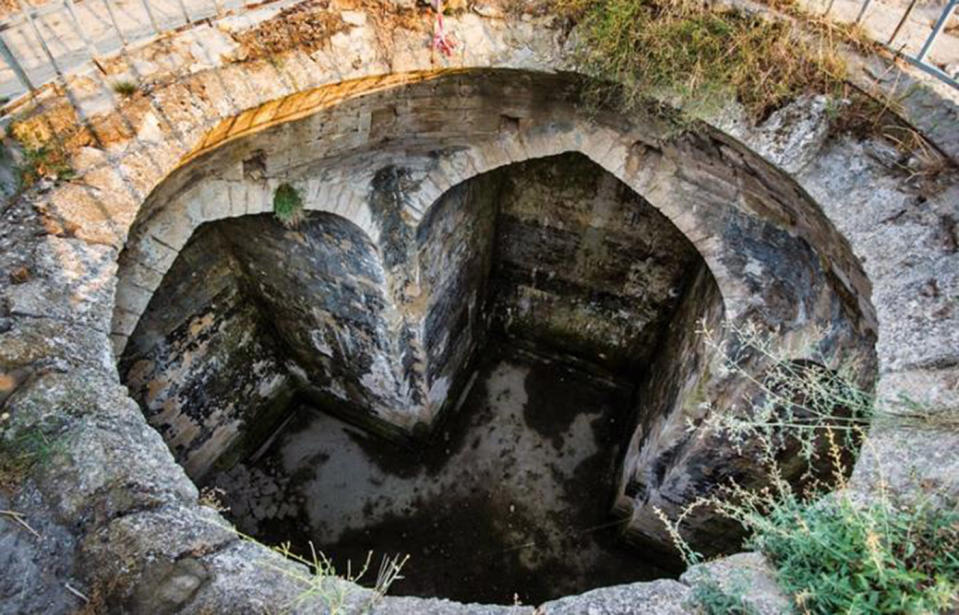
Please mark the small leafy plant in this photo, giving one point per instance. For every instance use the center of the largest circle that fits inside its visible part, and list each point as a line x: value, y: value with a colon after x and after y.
x: 836, y: 555
x: 288, y: 205
x: 714, y: 600
x: 44, y: 161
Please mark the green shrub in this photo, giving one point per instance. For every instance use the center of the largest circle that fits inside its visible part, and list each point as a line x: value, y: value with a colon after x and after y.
x: 839, y: 556
x: 287, y: 205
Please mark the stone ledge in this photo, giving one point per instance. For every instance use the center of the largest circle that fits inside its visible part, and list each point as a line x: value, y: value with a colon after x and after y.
x: 664, y: 597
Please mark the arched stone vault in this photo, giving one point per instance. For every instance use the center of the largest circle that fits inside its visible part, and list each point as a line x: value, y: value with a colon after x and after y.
x: 114, y: 491
x: 776, y: 260
x: 670, y: 182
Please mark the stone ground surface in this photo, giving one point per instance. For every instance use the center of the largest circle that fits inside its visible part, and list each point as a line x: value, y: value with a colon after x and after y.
x: 511, y: 500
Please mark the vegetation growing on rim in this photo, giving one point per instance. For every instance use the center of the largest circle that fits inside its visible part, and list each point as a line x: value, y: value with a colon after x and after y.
x: 697, y: 56
x: 46, y: 161
x: 714, y: 599
x: 834, y: 551
x: 702, y: 55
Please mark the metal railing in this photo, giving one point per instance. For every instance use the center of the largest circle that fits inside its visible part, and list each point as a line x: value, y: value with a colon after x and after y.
x: 44, y: 43
x: 40, y: 44
x: 921, y: 57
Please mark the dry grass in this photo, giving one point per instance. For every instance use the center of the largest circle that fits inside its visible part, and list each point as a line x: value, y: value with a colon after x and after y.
x: 699, y: 56
x: 306, y: 25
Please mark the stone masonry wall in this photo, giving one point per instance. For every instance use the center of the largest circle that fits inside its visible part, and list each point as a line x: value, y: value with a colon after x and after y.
x: 320, y: 287
x: 584, y: 267
x: 746, y: 219
x: 672, y: 391
x: 455, y: 245
x: 201, y: 364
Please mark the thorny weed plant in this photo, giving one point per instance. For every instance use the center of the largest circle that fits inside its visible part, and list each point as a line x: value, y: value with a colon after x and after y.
x: 834, y: 551
x: 791, y: 400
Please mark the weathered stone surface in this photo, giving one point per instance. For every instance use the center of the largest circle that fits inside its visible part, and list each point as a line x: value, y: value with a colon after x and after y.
x: 455, y: 255
x: 583, y: 266
x: 910, y: 462
x: 68, y: 280
x: 664, y: 597
x: 203, y: 362
x: 151, y: 561
x: 322, y: 289
x: 35, y: 566
x: 676, y: 390
x: 412, y: 606
x: 748, y: 575
x: 246, y: 577
x: 906, y: 242
x: 45, y: 343
x: 85, y: 443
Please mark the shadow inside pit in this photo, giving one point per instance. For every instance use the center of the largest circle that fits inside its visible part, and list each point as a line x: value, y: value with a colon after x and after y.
x: 510, y: 502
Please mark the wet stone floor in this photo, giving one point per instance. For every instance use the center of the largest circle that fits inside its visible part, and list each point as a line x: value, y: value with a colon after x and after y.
x: 510, y: 503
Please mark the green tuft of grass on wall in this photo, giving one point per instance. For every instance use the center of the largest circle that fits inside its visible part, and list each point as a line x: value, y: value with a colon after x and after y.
x: 47, y: 161
x: 288, y: 205
x: 125, y: 88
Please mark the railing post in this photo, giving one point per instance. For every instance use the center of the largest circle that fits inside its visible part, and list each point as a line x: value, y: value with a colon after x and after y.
x: 14, y: 64
x: 28, y: 13
x: 902, y: 21
x: 937, y: 29
x: 153, y: 19
x: 186, y: 15
x: 113, y: 20
x: 91, y: 48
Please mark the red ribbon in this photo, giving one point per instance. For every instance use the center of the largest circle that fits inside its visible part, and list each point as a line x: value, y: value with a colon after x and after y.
x: 441, y: 42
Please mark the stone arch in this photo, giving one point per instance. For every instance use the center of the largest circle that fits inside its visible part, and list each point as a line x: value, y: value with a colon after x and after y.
x: 640, y: 154
x: 250, y: 314
x: 152, y: 245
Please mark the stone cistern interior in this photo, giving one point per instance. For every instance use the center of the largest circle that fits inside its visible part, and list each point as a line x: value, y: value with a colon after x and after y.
x: 496, y: 381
